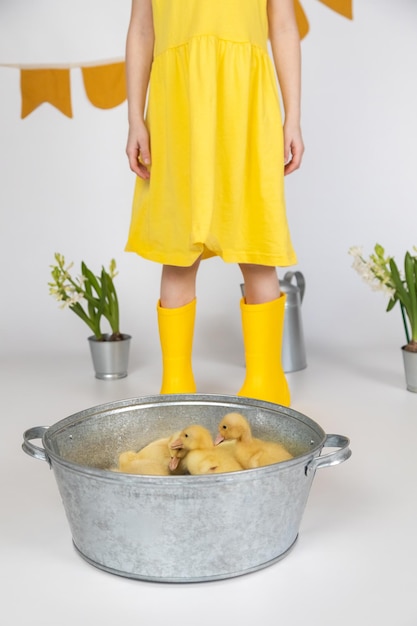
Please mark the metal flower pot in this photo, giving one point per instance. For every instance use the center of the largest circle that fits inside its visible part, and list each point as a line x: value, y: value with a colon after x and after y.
x: 410, y: 369
x: 110, y: 358
x: 181, y: 528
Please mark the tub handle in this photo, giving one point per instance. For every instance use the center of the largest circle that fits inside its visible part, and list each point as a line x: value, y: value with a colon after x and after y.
x: 333, y: 458
x: 37, y: 432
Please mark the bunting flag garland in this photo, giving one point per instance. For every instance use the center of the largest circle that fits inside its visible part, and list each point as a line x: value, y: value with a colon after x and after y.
x: 105, y: 83
x: 45, y: 85
x: 105, y: 86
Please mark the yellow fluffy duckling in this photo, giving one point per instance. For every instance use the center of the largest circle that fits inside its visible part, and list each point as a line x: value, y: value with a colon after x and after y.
x: 152, y: 459
x: 250, y: 452
x: 200, y: 456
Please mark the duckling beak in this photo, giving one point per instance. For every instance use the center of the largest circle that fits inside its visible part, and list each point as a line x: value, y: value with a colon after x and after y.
x: 218, y: 439
x: 173, y: 463
x: 176, y: 445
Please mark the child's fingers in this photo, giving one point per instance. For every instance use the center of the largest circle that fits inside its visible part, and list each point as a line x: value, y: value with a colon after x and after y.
x: 145, y: 153
x: 293, y: 157
x: 133, y: 157
x: 144, y: 156
x: 139, y: 156
x: 287, y: 152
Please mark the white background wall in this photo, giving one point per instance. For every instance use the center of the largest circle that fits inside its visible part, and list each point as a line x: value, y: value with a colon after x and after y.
x: 65, y: 185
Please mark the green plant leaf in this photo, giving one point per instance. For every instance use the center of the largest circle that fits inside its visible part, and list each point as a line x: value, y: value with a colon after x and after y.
x: 398, y: 285
x: 392, y: 303
x: 91, y: 323
x: 410, y: 270
x: 111, y: 311
x: 91, y: 279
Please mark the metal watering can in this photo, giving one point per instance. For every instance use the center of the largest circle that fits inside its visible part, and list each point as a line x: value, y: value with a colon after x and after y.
x: 293, y: 347
x: 293, y: 354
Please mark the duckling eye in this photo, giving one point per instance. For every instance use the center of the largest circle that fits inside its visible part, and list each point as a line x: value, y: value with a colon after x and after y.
x: 224, y: 427
x: 185, y: 435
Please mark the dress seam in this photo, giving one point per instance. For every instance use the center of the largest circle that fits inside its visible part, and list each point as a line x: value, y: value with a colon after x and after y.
x: 207, y: 36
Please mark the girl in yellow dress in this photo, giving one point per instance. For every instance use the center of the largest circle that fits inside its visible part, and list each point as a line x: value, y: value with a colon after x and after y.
x: 207, y: 143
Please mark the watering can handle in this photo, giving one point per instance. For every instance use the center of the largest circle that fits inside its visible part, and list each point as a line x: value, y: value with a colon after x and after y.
x: 299, y: 279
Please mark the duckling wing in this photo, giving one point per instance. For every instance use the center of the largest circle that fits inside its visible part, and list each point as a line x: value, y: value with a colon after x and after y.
x: 125, y: 458
x: 201, y: 462
x: 226, y: 454
x: 146, y: 467
x: 271, y: 452
x: 211, y: 461
x: 156, y: 450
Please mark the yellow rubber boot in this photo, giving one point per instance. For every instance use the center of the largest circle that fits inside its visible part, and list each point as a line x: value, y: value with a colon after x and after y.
x: 176, y: 331
x: 262, y: 326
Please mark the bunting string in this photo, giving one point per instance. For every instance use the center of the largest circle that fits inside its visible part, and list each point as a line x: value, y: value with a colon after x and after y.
x: 105, y: 82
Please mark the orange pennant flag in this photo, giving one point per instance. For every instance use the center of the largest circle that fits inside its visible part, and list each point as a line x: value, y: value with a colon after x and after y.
x: 302, y: 21
x: 45, y: 85
x: 105, y: 85
x: 343, y: 7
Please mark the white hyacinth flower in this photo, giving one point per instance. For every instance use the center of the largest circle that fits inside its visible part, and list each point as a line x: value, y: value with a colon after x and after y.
x: 373, y: 273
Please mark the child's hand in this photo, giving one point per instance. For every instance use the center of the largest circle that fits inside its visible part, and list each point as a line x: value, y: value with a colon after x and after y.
x: 293, y: 148
x: 138, y: 150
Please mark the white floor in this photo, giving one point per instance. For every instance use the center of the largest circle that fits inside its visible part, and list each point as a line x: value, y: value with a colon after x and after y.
x: 355, y: 560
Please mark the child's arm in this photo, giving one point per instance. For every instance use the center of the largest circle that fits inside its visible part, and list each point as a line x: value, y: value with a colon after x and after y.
x: 285, y: 44
x: 139, y: 55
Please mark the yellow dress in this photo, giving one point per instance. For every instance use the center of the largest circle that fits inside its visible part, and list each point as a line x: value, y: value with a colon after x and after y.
x: 217, y: 175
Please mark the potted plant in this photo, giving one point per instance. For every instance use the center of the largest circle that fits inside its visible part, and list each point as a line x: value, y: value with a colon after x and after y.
x: 93, y: 297
x: 381, y: 273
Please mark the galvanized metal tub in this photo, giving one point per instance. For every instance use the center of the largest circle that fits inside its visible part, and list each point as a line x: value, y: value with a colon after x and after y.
x: 181, y: 528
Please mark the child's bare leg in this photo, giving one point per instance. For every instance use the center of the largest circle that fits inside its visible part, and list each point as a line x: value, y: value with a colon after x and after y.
x: 178, y: 285
x: 261, y: 283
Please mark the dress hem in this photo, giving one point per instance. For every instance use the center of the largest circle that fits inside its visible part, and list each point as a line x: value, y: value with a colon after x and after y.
x: 234, y: 257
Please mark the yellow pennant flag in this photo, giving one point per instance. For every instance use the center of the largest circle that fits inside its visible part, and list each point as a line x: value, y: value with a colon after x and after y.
x: 343, y: 7
x: 302, y: 20
x: 45, y: 85
x: 105, y: 85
